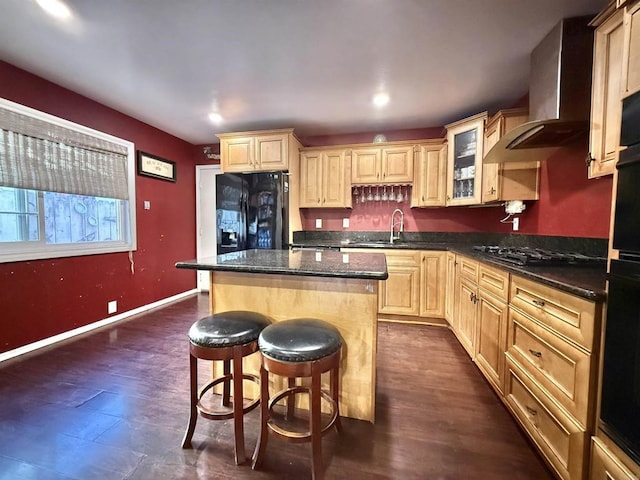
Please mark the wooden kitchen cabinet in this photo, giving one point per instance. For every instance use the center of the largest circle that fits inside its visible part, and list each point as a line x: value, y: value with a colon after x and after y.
x: 631, y: 50
x: 507, y: 181
x: 430, y: 176
x: 491, y: 326
x: 400, y: 293
x: 606, y: 92
x: 258, y: 151
x: 465, y: 309
x: 324, y: 179
x: 605, y: 465
x: 558, y: 438
x: 553, y: 338
x: 450, y: 297
x: 386, y: 164
x: 465, y: 140
x: 432, y: 283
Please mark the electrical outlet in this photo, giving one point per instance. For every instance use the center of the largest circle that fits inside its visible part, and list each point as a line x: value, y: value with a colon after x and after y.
x: 147, y: 205
x: 112, y: 307
x: 318, y: 223
x: 345, y: 223
x: 516, y: 224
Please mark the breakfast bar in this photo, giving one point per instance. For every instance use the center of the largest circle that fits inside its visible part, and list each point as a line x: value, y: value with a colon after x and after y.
x: 339, y: 288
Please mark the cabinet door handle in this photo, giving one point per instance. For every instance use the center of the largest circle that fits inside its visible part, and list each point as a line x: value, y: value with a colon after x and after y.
x: 538, y: 303
x: 589, y: 159
x: 535, y: 353
x: 532, y: 411
x: 318, y: 201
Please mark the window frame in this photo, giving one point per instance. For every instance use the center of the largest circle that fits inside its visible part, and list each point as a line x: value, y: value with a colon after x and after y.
x: 31, y: 250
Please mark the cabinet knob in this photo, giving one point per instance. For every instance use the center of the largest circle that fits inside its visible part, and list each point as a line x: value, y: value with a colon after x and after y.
x: 318, y: 201
x: 492, y: 191
x: 589, y: 159
x: 423, y: 198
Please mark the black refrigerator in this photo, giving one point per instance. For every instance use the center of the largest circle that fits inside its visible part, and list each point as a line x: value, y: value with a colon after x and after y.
x: 252, y: 211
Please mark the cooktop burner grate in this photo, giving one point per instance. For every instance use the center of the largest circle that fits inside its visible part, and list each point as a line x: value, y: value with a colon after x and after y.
x: 536, y: 256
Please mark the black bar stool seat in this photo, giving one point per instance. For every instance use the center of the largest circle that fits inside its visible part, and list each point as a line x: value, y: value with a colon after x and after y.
x: 299, y: 348
x: 226, y: 337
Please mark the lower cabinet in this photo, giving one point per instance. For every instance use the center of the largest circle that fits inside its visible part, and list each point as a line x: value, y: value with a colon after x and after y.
x: 558, y: 437
x: 536, y: 346
x: 416, y: 286
x: 450, y: 295
x: 433, y: 284
x: 491, y: 338
x: 605, y: 465
x: 399, y: 294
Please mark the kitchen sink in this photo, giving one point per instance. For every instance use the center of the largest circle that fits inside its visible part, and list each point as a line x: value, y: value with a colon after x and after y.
x: 379, y: 244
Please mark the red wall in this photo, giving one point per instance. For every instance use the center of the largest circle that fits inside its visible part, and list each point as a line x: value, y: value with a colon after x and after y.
x: 43, y: 298
x: 570, y: 205
x: 46, y: 297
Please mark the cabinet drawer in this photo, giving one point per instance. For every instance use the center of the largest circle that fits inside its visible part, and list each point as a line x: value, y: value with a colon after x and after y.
x: 570, y: 316
x: 605, y: 465
x: 562, y: 369
x: 558, y: 437
x: 409, y: 258
x: 494, y: 281
x: 468, y: 268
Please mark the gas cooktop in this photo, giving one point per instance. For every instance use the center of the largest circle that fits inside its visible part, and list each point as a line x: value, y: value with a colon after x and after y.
x: 522, y: 256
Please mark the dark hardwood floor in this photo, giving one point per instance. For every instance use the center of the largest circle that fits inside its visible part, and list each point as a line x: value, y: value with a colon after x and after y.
x: 114, y: 405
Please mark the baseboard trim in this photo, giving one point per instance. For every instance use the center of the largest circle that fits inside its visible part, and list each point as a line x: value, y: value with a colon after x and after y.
x: 47, y: 342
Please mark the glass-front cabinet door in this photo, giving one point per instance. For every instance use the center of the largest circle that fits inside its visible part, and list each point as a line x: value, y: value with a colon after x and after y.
x: 464, y: 162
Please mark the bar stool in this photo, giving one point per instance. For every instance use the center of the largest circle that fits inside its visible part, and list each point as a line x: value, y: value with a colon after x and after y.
x: 304, y: 347
x: 226, y: 337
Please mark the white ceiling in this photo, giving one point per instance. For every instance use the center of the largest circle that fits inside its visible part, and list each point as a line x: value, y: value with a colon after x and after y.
x: 309, y: 64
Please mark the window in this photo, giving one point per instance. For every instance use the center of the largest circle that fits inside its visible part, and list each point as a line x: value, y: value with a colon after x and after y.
x: 65, y: 189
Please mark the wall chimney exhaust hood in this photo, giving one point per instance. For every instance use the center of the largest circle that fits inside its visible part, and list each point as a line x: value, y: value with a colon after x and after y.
x: 559, y: 96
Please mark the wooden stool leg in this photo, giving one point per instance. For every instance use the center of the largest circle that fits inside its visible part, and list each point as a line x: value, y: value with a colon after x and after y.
x: 291, y: 401
x: 226, y: 386
x: 316, y: 427
x: 238, y: 405
x: 193, y: 401
x: 335, y: 394
x: 263, y: 435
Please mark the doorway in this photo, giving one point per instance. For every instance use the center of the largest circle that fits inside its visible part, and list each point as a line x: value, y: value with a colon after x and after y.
x: 206, y: 235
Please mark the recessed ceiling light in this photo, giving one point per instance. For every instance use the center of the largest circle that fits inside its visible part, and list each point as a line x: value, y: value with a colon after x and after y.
x: 380, y: 99
x: 55, y: 8
x: 215, y: 117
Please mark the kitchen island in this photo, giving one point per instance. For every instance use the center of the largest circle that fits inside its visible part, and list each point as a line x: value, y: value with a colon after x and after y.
x: 339, y: 288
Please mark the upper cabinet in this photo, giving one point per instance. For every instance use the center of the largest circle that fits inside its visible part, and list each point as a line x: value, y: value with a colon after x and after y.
x: 631, y: 50
x: 260, y: 151
x: 324, y: 179
x: 606, y: 104
x: 382, y: 164
x: 464, y: 160
x: 507, y: 181
x: 430, y: 175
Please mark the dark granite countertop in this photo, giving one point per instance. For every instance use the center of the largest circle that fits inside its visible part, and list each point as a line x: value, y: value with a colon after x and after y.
x: 329, y: 263
x: 586, y: 282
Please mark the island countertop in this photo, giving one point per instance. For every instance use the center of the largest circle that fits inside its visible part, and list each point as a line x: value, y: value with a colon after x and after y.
x: 326, y: 263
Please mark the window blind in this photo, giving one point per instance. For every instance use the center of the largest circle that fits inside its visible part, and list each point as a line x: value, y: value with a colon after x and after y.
x: 40, y: 155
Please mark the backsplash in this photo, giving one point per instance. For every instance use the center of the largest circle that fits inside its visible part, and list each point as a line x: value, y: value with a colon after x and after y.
x: 587, y: 246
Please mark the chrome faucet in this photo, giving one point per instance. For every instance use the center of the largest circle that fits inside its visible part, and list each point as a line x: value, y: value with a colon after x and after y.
x: 393, y: 237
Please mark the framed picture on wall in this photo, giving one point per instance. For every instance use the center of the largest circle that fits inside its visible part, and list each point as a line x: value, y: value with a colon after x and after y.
x: 156, y: 167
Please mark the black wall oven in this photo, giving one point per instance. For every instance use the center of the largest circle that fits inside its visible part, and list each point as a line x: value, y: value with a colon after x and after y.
x: 620, y: 406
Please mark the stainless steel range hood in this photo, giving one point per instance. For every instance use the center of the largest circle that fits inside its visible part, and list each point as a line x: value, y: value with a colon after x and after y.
x: 559, y: 96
